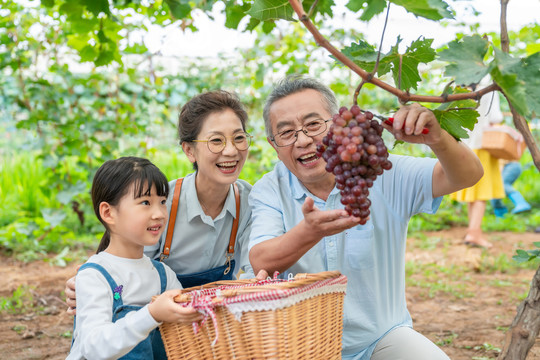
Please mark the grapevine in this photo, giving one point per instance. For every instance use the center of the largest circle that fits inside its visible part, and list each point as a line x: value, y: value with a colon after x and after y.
x: 356, y: 154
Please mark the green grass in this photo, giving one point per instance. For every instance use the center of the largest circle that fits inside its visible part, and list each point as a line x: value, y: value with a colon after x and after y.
x: 438, y: 279
x: 19, y: 302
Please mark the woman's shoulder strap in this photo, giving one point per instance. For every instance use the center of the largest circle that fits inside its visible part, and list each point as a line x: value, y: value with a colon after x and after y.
x: 172, y: 220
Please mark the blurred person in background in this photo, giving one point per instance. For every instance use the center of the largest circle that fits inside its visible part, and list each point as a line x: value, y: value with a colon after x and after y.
x: 490, y: 185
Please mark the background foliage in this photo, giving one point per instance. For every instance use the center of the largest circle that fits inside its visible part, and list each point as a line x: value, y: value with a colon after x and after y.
x: 79, y: 86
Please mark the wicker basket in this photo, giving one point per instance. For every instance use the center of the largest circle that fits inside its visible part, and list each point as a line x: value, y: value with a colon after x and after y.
x: 501, y: 145
x: 301, y: 318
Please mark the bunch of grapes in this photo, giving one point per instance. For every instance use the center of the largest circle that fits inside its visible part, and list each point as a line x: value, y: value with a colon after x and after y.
x: 355, y: 153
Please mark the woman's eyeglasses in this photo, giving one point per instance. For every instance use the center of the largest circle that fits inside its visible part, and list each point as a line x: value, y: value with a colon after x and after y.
x: 216, y: 143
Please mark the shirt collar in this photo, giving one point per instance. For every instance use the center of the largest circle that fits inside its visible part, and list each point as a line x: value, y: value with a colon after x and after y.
x: 194, y: 208
x: 299, y: 191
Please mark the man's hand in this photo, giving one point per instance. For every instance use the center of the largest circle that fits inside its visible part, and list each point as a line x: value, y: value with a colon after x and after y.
x: 281, y: 252
x: 326, y: 223
x: 410, y: 121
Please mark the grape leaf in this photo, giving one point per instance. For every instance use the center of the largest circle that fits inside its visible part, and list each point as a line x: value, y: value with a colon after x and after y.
x: 47, y: 3
x: 234, y: 14
x: 88, y: 53
x: 252, y: 24
x: 271, y: 10
x: 104, y: 58
x: 505, y: 70
x: 362, y: 54
x: 530, y: 72
x: 456, y: 121
x: 178, y: 9
x: 420, y: 51
x: 281, y: 9
x: 97, y: 6
x: 467, y: 59
x: 429, y: 9
x: 322, y: 7
x: 371, y: 8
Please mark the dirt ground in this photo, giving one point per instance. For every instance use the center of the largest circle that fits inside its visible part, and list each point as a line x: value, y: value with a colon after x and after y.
x: 467, y: 318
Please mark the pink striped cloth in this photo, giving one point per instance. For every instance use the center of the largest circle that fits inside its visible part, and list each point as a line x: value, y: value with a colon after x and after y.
x: 202, y: 300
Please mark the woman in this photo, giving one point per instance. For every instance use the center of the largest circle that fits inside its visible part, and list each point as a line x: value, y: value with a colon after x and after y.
x: 207, y: 236
x: 490, y: 185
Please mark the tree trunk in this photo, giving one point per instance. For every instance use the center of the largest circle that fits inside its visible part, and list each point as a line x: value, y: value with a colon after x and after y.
x: 522, y: 334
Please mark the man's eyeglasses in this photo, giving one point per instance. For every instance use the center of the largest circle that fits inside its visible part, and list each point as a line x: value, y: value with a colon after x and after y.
x: 289, y: 136
x: 216, y: 143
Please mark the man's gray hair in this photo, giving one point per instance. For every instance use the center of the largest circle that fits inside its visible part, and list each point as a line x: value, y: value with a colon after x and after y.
x: 293, y: 84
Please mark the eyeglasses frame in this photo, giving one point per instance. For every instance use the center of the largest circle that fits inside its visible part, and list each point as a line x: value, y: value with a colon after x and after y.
x: 248, y: 136
x: 273, y: 138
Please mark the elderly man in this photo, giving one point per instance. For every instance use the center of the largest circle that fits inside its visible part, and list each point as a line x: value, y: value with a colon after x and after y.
x: 299, y: 224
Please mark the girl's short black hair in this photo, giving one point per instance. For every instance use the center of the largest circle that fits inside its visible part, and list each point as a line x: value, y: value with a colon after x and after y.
x: 114, y: 178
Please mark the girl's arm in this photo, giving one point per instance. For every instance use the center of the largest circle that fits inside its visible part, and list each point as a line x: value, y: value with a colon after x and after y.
x: 95, y: 333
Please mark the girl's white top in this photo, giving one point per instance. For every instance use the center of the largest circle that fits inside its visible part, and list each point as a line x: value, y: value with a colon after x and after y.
x: 96, y: 336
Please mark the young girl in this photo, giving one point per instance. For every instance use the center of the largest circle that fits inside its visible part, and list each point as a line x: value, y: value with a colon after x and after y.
x: 115, y: 315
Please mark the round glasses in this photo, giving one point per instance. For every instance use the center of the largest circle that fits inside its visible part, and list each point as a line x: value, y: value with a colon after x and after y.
x: 216, y: 143
x: 289, y: 136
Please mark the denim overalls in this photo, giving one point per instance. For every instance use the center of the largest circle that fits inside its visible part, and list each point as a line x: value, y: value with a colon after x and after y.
x: 150, y: 348
x: 219, y: 273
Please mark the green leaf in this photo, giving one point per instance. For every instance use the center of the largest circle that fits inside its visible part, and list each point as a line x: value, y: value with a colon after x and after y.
x: 88, y: 53
x: 252, y: 24
x: 362, y: 54
x: 178, y: 9
x: 234, y: 14
x: 83, y: 26
x: 271, y: 10
x: 505, y: 70
x: 456, y: 121
x: 97, y: 6
x: 371, y: 7
x: 529, y: 74
x: 54, y: 218
x: 537, y: 244
x: 47, y: 3
x: 136, y: 49
x: 322, y: 7
x: 104, y: 58
x: 467, y: 59
x: 78, y: 42
x: 420, y: 51
x: 429, y: 9
x: 71, y: 8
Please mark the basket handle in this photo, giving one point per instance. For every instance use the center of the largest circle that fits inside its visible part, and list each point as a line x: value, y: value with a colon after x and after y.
x: 300, y: 279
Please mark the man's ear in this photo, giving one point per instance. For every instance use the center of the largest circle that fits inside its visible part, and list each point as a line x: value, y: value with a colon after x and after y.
x: 106, y: 212
x: 271, y: 143
x: 189, y: 151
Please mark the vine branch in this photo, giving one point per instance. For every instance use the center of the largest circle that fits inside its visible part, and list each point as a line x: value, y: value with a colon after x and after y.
x: 403, y: 96
x: 519, y: 121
